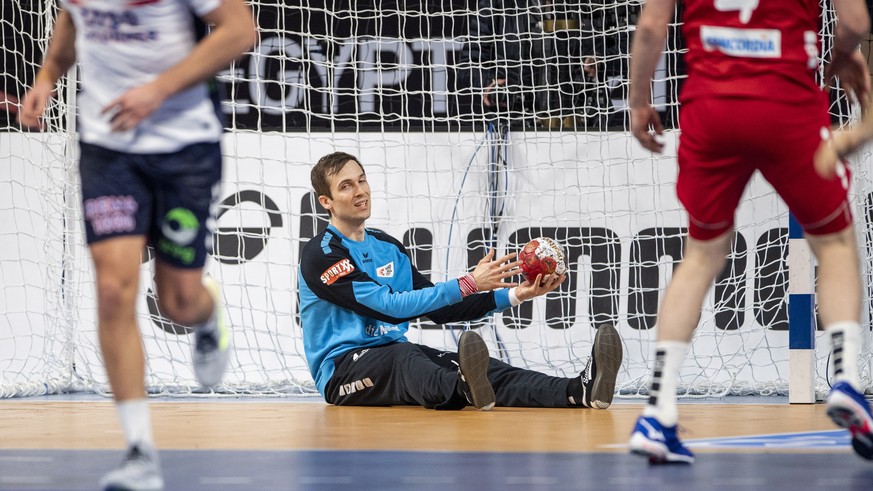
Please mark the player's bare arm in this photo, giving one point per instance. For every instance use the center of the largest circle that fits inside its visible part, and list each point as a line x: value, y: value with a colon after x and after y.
x: 59, y: 58
x: 848, y: 65
x: 646, y: 49
x: 233, y: 33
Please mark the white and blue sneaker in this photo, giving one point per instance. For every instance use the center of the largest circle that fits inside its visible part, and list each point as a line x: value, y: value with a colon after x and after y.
x: 659, y: 443
x: 848, y: 409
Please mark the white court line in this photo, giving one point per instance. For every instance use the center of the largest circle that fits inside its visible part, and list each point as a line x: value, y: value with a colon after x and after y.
x: 637, y: 481
x: 25, y: 479
x: 429, y: 480
x: 24, y: 458
x: 325, y: 480
x: 225, y: 481
x: 536, y: 480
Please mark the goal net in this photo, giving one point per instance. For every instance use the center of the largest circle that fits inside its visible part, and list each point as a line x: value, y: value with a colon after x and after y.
x: 400, y: 84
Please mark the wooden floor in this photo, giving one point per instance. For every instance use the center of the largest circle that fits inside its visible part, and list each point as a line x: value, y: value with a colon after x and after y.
x: 231, y: 425
x: 291, y: 445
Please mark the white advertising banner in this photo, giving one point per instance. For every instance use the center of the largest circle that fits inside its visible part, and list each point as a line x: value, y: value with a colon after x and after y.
x: 611, y: 204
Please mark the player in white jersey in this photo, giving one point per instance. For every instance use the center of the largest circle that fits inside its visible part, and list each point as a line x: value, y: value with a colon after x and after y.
x: 150, y: 166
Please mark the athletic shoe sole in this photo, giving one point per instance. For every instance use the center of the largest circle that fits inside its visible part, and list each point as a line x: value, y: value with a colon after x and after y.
x: 473, y: 359
x: 607, y: 353
x: 656, y: 452
x: 844, y: 412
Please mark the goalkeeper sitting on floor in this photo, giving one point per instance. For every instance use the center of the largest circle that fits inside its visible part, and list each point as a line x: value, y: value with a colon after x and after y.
x: 359, y: 289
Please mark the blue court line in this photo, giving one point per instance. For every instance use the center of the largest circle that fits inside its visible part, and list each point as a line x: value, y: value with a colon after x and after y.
x: 190, y: 470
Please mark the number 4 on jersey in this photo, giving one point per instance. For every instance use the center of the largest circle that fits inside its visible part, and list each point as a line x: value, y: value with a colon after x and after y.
x: 744, y: 6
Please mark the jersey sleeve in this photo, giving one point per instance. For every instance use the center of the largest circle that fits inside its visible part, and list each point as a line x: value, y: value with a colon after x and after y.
x: 470, y: 308
x: 332, y: 276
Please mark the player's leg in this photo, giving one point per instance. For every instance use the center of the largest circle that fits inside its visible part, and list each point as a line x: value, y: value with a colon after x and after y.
x: 713, y: 172
x: 187, y: 186
x: 395, y: 374
x: 839, y: 300
x: 519, y: 387
x: 826, y: 218
x: 117, y: 263
x: 116, y: 208
x: 190, y: 299
x: 655, y: 434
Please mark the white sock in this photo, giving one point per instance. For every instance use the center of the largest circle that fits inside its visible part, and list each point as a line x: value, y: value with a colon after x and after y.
x: 669, y: 356
x: 845, y: 350
x: 136, y: 422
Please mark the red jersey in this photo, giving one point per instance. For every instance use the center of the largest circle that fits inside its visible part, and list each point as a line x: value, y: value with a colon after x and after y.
x: 752, y: 48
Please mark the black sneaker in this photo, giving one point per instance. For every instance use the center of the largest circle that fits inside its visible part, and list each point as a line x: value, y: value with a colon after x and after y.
x: 598, y: 377
x: 473, y: 359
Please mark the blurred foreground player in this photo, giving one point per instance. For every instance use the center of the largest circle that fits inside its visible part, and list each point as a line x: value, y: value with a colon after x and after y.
x: 150, y: 165
x: 751, y: 103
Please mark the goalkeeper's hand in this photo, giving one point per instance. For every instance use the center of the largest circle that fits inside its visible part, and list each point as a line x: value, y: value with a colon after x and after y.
x: 541, y: 285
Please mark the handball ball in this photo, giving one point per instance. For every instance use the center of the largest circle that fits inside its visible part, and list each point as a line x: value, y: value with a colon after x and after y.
x: 541, y: 256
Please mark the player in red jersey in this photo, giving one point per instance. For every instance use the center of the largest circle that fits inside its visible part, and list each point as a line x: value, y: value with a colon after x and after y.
x: 751, y: 103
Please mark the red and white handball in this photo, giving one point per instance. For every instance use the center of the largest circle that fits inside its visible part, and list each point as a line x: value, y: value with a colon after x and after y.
x: 541, y: 256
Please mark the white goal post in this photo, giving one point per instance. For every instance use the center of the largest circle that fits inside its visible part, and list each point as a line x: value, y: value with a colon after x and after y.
x: 396, y: 85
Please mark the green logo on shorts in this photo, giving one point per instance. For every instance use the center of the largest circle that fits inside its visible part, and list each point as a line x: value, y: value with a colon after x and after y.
x: 180, y: 228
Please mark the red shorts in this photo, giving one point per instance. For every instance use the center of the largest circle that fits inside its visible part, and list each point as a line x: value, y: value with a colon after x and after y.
x: 725, y: 140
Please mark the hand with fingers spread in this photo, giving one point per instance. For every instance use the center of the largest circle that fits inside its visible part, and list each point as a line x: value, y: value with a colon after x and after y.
x: 541, y: 285
x: 490, y: 273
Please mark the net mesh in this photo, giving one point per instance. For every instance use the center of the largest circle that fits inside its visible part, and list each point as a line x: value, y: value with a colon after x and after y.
x: 401, y: 84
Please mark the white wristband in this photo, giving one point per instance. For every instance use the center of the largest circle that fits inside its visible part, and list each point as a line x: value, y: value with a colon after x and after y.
x: 513, y: 298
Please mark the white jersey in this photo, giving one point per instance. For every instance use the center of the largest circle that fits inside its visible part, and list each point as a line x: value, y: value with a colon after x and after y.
x: 122, y: 44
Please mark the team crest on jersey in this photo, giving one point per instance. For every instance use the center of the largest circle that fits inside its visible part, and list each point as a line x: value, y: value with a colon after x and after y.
x: 337, y: 271
x: 386, y: 271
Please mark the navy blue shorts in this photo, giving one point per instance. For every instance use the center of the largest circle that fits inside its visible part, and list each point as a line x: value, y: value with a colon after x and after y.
x: 171, y: 198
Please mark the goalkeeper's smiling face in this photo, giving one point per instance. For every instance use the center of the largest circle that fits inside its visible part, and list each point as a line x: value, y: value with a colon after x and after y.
x: 349, y: 204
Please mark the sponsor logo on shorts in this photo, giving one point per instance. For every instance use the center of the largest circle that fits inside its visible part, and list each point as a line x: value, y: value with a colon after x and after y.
x: 747, y: 43
x: 180, y: 226
x: 351, y: 388
x: 337, y: 271
x: 359, y: 354
x: 179, y: 230
x: 111, y: 214
x: 386, y: 271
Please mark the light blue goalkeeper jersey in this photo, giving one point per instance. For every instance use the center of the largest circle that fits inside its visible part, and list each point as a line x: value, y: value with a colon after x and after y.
x: 363, y: 294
